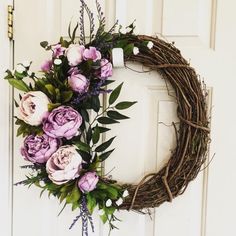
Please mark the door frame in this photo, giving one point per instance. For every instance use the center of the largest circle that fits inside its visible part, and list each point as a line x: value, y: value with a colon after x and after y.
x: 6, y: 61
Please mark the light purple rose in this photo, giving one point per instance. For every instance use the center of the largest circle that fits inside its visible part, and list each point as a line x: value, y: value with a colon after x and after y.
x: 77, y: 81
x: 92, y: 54
x: 74, y: 54
x: 38, y: 149
x: 46, y: 66
x: 58, y: 50
x: 106, y: 68
x: 64, y: 165
x: 63, y: 121
x: 88, y: 182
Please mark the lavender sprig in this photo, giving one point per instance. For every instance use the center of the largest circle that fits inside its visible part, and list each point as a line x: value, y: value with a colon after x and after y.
x: 85, y: 216
x: 81, y: 24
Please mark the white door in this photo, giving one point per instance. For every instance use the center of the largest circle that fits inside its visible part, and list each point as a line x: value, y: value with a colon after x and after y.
x: 205, y: 32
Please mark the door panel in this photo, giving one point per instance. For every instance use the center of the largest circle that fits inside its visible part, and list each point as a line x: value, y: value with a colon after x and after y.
x: 144, y: 142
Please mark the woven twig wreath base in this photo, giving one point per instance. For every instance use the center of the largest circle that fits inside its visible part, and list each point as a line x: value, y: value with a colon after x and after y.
x: 192, y: 135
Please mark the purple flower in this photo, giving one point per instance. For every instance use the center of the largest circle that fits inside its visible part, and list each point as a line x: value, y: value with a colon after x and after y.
x: 91, y: 54
x: 77, y: 81
x: 88, y: 182
x: 46, y: 66
x: 64, y: 165
x: 58, y: 50
x: 63, y: 121
x: 106, y: 68
x: 38, y: 149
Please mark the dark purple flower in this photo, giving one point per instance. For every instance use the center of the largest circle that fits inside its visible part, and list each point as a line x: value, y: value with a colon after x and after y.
x: 63, y: 121
x: 38, y: 149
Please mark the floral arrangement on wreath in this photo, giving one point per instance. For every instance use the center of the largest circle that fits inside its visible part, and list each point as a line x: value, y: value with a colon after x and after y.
x: 61, y: 141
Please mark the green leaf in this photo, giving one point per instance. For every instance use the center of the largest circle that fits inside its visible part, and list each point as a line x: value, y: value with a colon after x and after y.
x: 51, y: 89
x: 63, y: 196
x: 106, y: 120
x: 112, y: 193
x: 128, y: 49
x: 44, y: 44
x: 52, y: 106
x: 91, y: 203
x: 82, y: 146
x: 124, y: 105
x: 85, y: 156
x: 85, y: 115
x: 104, y: 218
x: 95, y: 103
x: 75, y: 205
x: 74, y: 196
x: 19, y: 84
x: 115, y: 94
x: 66, y: 96
x: 96, y: 135
x: 116, y: 115
x: 104, y: 145
x: 105, y: 155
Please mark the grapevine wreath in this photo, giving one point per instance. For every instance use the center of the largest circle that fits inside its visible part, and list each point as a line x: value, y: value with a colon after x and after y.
x: 63, y: 143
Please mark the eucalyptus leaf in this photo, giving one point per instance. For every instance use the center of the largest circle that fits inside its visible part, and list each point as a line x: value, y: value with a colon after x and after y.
x: 44, y: 44
x: 106, y: 120
x: 96, y: 135
x: 116, y: 115
x: 104, y: 145
x: 105, y: 155
x: 115, y: 94
x: 82, y: 146
x: 124, y: 105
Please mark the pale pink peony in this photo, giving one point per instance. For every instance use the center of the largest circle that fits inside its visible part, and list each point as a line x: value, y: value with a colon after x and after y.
x: 33, y: 107
x: 64, y: 165
x: 74, y: 54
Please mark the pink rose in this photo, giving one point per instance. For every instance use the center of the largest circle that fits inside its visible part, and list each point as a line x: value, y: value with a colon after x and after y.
x: 88, y: 182
x: 64, y: 165
x: 33, y: 107
x: 92, y: 54
x: 78, y: 82
x: 106, y: 68
x: 74, y: 54
x: 46, y: 66
x: 58, y: 50
x: 63, y: 121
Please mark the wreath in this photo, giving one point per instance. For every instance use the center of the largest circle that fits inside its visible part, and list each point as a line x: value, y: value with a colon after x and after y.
x: 63, y: 143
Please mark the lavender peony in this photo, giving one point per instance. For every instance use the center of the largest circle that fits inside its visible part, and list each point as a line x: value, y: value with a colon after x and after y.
x: 88, y: 182
x: 63, y: 121
x: 77, y: 81
x: 91, y: 54
x: 38, y: 149
x: 33, y: 107
x: 74, y: 54
x: 106, y: 69
x: 64, y: 165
